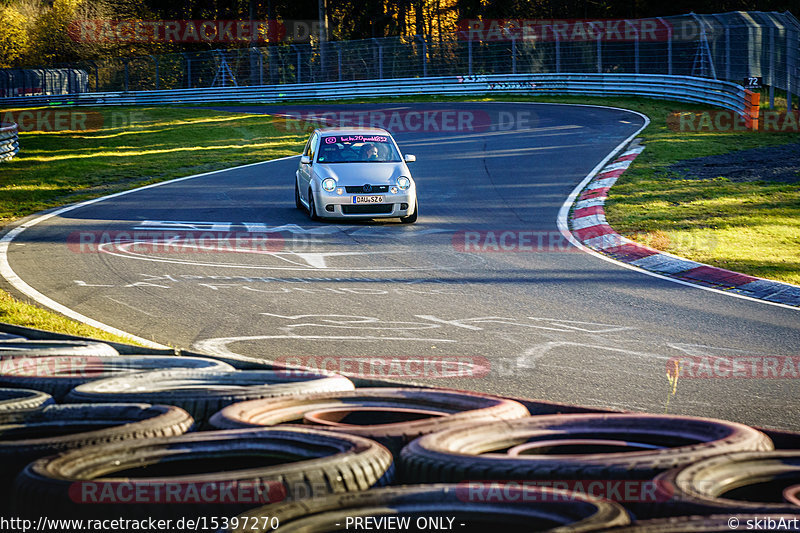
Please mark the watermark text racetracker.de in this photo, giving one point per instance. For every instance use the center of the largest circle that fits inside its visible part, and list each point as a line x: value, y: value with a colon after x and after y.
x: 179, y: 242
x: 52, y: 120
x: 728, y: 121
x: 417, y: 119
x: 734, y: 367
x: 386, y: 367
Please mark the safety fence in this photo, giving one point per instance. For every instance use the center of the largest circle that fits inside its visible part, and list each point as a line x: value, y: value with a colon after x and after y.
x: 9, y: 141
x: 734, y: 46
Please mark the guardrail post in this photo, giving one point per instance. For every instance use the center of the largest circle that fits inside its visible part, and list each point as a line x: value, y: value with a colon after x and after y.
x: 254, y: 51
x: 772, y: 67
x: 96, y: 75
x: 513, y: 56
x: 188, y: 69
x: 469, y: 56
x: 669, y: 45
x: 156, y: 61
x: 378, y: 51
x: 339, y: 54
x: 424, y: 55
x: 788, y: 72
x: 727, y: 53
x: 558, y: 52
x: 298, y: 74
x: 599, y: 55
x: 125, y: 64
x: 635, y: 47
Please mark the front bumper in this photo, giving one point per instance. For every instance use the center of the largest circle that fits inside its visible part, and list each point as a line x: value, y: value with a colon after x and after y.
x: 400, y: 204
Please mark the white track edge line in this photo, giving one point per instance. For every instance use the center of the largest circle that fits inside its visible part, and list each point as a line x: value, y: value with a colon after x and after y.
x: 18, y: 283
x: 563, y: 225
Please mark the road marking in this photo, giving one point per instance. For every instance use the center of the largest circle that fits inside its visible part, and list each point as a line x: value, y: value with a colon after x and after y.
x: 18, y: 283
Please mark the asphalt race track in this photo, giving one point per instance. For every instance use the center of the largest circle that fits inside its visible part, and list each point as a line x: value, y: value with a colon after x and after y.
x: 544, y: 321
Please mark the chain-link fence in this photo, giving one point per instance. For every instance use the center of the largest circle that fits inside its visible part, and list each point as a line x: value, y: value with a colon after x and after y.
x: 731, y: 46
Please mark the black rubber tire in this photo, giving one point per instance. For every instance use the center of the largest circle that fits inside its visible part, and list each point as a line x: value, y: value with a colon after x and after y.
x: 709, y: 486
x: 312, y: 207
x: 63, y: 427
x: 23, y: 399
x: 203, y: 393
x: 59, y: 375
x: 457, y: 407
x: 51, y: 348
x: 410, y: 219
x: 297, y: 203
x: 292, y: 463
x: 543, y: 509
x: 467, y: 453
x: 702, y: 524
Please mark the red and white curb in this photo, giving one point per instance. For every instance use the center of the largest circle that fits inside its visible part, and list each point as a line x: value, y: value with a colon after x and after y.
x: 588, y: 225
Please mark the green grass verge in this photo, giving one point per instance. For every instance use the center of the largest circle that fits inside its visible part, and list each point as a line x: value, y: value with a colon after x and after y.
x: 751, y: 227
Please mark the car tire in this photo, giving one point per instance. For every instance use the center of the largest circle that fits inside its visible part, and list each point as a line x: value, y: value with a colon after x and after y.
x: 297, y: 203
x: 312, y: 207
x: 410, y: 219
x: 357, y: 412
x: 524, y: 509
x: 735, y: 483
x: 17, y: 399
x: 57, y: 376
x: 478, y: 452
x: 29, y: 435
x: 203, y: 393
x: 251, y: 466
x: 37, y: 348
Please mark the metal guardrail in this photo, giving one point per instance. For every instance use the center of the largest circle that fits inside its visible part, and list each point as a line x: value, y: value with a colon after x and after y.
x: 9, y: 141
x: 683, y: 88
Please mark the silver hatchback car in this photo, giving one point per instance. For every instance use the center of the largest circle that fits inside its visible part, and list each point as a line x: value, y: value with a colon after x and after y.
x: 355, y: 173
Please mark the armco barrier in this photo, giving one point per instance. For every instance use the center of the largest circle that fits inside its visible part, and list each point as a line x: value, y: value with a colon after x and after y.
x: 682, y: 88
x: 9, y: 141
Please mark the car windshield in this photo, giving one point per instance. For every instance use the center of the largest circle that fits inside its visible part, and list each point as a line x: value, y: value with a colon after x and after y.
x: 357, y: 149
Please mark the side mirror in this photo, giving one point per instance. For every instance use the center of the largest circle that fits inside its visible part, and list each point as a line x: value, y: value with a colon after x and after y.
x: 305, y: 160
x: 408, y: 158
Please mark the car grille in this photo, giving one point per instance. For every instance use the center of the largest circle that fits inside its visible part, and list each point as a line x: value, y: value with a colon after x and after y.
x: 360, y: 189
x: 367, y: 209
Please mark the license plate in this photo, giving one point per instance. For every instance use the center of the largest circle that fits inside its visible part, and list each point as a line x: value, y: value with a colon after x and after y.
x: 367, y: 199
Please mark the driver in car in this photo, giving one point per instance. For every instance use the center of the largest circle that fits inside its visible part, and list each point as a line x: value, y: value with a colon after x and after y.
x: 369, y: 152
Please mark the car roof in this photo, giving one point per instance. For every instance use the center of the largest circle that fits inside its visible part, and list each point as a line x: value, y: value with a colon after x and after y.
x: 353, y: 131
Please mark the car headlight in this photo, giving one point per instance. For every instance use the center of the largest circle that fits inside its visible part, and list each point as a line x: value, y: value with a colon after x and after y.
x: 403, y: 182
x: 329, y: 184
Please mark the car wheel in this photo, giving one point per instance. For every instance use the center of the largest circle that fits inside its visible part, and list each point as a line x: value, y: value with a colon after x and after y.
x: 312, y: 207
x: 410, y: 219
x: 297, y: 203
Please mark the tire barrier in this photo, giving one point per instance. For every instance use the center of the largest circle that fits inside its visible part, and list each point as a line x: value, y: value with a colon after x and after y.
x: 745, y: 482
x: 28, y: 435
x: 22, y: 399
x: 203, y: 393
x: 634, y: 446
x: 544, y: 509
x: 40, y: 348
x: 392, y: 416
x: 504, y: 459
x: 214, y: 473
x: 9, y: 141
x: 59, y: 375
x: 792, y: 495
